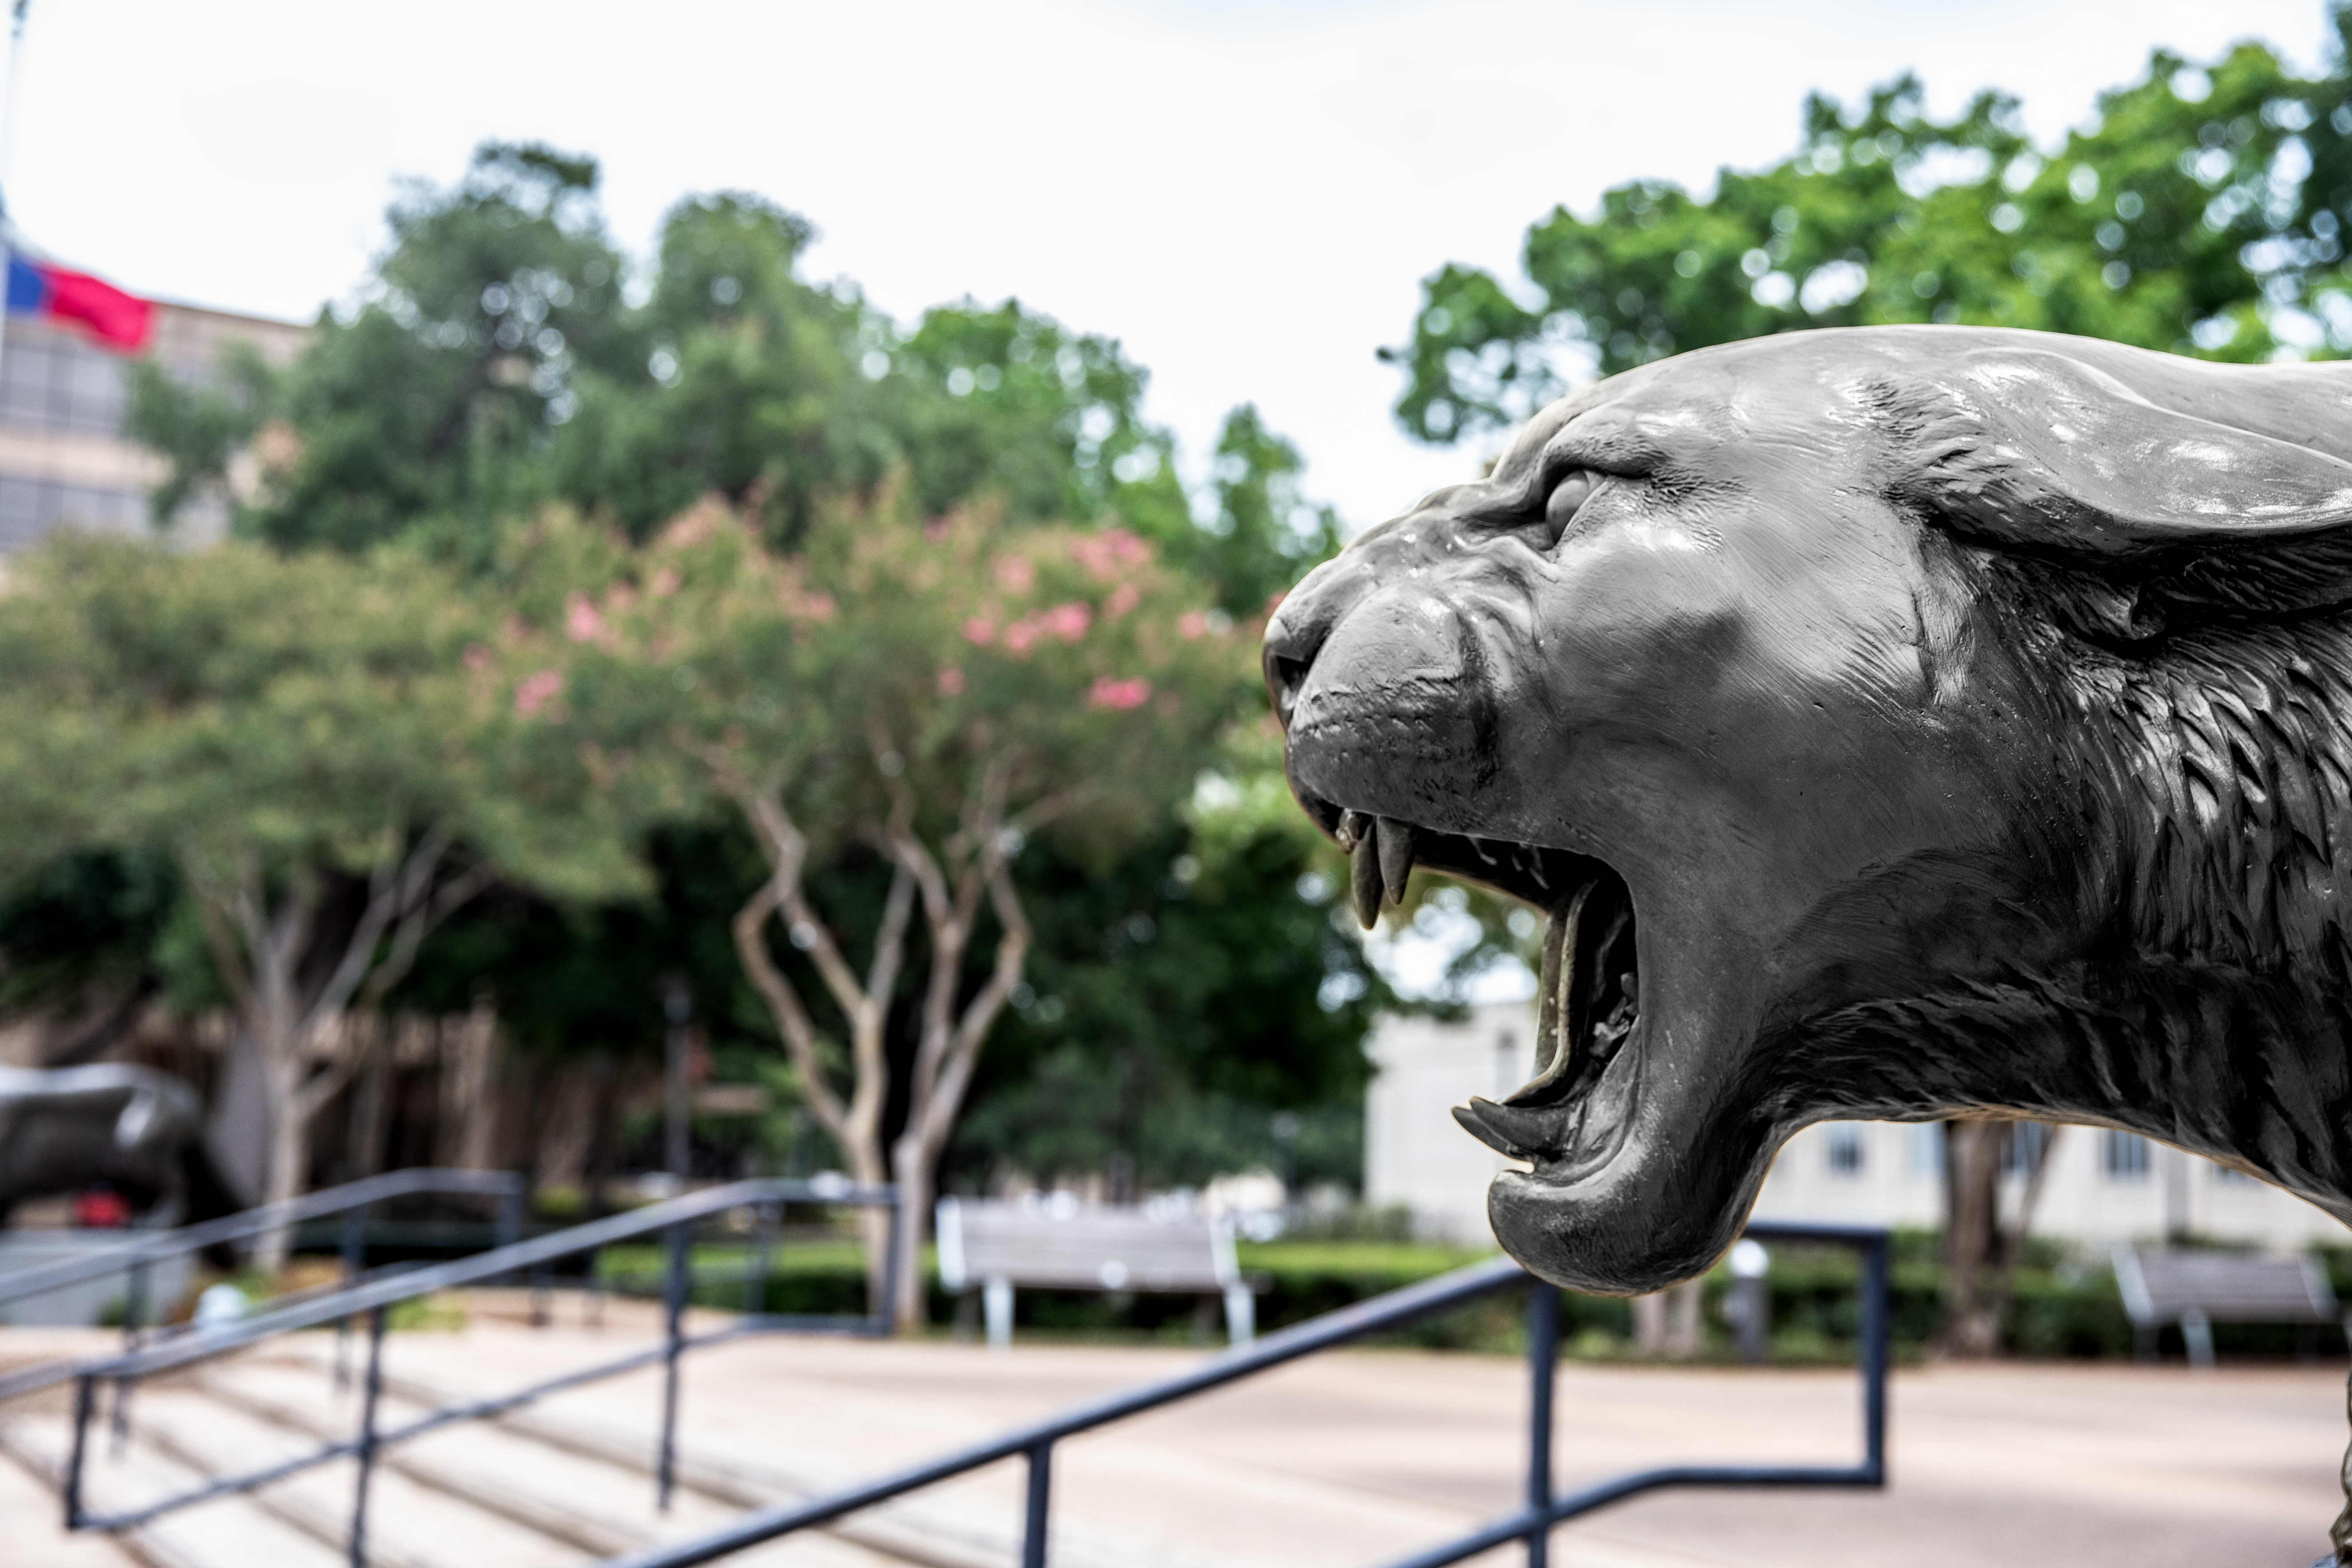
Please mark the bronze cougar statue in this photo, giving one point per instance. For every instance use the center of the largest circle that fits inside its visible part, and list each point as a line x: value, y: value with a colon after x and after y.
x: 1893, y: 722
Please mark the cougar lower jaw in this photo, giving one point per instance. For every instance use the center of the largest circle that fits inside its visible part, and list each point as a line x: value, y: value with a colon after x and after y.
x: 1587, y: 1006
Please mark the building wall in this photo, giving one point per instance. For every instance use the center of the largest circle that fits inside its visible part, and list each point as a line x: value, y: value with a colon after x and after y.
x: 62, y: 398
x: 1414, y: 1155
x: 2103, y: 1187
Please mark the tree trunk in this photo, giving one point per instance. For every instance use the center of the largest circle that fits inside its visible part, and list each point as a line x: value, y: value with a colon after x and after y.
x: 272, y: 960
x: 971, y: 870
x: 468, y: 1079
x: 1981, y: 1252
x: 290, y: 1151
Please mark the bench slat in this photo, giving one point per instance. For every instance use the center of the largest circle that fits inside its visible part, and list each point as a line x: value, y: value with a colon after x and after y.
x: 1092, y: 1249
x: 2159, y: 1285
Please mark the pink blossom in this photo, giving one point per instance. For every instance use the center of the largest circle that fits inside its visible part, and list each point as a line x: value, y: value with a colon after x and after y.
x: 1068, y: 622
x: 665, y: 583
x: 477, y: 655
x: 1109, y: 552
x: 802, y: 606
x: 1119, y: 695
x: 1014, y: 574
x: 1019, y: 639
x: 535, y: 690
x: 695, y: 524
x: 581, y: 621
x: 619, y: 597
x: 936, y: 530
x: 951, y: 681
x: 979, y: 631
x: 1193, y: 625
x: 1123, y: 598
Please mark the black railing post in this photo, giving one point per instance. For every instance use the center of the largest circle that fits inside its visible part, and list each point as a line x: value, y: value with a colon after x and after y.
x: 355, y: 1256
x: 509, y: 1221
x: 85, y: 1395
x: 674, y: 1314
x: 766, y: 1216
x: 366, y: 1448
x: 1875, y: 1332
x: 134, y: 1320
x: 1038, y: 1505
x: 1543, y: 1369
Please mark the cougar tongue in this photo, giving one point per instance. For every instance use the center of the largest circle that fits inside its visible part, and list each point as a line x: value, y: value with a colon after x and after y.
x: 1558, y: 1024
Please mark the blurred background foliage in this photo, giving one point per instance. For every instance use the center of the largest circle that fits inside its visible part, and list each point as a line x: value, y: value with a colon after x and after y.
x: 506, y: 356
x: 2201, y: 211
x: 1200, y: 993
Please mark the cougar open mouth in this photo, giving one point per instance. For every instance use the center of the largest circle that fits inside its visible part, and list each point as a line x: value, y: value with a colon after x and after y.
x: 1588, y: 987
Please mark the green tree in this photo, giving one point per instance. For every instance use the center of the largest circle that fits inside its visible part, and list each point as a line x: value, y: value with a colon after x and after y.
x: 1181, y: 996
x: 2201, y: 212
x: 736, y: 378
x: 307, y: 743
x: 934, y: 693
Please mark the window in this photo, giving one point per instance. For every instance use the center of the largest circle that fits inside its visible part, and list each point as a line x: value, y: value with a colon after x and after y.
x: 31, y: 508
x: 53, y: 381
x: 2021, y: 1154
x: 1928, y: 1149
x: 1845, y: 1148
x: 2123, y: 1155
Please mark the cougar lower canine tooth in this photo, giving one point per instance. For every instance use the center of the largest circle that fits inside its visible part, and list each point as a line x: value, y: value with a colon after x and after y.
x: 1396, y: 856
x: 1364, y: 875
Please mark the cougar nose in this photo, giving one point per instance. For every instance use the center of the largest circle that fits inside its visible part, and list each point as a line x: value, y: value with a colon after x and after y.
x: 1286, y: 672
x: 1292, y: 641
x: 1298, y: 630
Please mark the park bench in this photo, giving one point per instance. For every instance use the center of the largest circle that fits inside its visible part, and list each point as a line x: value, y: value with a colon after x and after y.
x: 2196, y: 1289
x: 1055, y: 1243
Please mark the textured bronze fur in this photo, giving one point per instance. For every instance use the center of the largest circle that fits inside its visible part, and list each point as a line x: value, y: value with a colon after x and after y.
x: 1966, y: 714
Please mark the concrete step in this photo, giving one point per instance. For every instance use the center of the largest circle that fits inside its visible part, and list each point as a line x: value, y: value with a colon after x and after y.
x: 227, y: 1532
x: 590, y: 1503
x: 546, y: 1464
x: 410, y: 1525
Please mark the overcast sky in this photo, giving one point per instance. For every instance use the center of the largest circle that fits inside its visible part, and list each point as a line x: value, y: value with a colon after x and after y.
x: 1246, y: 193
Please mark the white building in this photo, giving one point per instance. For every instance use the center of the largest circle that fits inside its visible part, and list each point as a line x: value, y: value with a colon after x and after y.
x: 2103, y: 1187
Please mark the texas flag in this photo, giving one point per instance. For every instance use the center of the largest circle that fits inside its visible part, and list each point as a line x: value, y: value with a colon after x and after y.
x: 58, y: 294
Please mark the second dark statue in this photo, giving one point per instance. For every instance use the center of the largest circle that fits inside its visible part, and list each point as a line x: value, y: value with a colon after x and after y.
x: 1894, y: 722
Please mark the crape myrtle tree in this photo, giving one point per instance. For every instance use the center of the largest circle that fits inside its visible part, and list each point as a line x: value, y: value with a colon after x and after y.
x: 733, y: 376
x: 305, y: 743
x: 2202, y: 211
x: 939, y: 692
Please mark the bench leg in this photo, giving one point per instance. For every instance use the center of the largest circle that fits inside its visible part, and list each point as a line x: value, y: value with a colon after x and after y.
x: 996, y: 1306
x: 1241, y: 1314
x: 2197, y: 1337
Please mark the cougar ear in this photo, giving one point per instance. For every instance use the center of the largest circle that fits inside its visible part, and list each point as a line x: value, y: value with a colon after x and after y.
x: 2036, y: 451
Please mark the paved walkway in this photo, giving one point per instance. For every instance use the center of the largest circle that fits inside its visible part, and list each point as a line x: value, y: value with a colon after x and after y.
x: 1355, y: 1457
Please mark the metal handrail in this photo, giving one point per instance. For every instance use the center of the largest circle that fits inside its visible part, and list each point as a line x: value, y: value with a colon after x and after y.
x: 137, y: 1255
x: 1532, y: 1524
x: 154, y: 1246
x: 374, y: 1298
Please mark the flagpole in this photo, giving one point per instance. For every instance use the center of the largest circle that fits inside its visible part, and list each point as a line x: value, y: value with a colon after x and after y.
x: 16, y: 10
